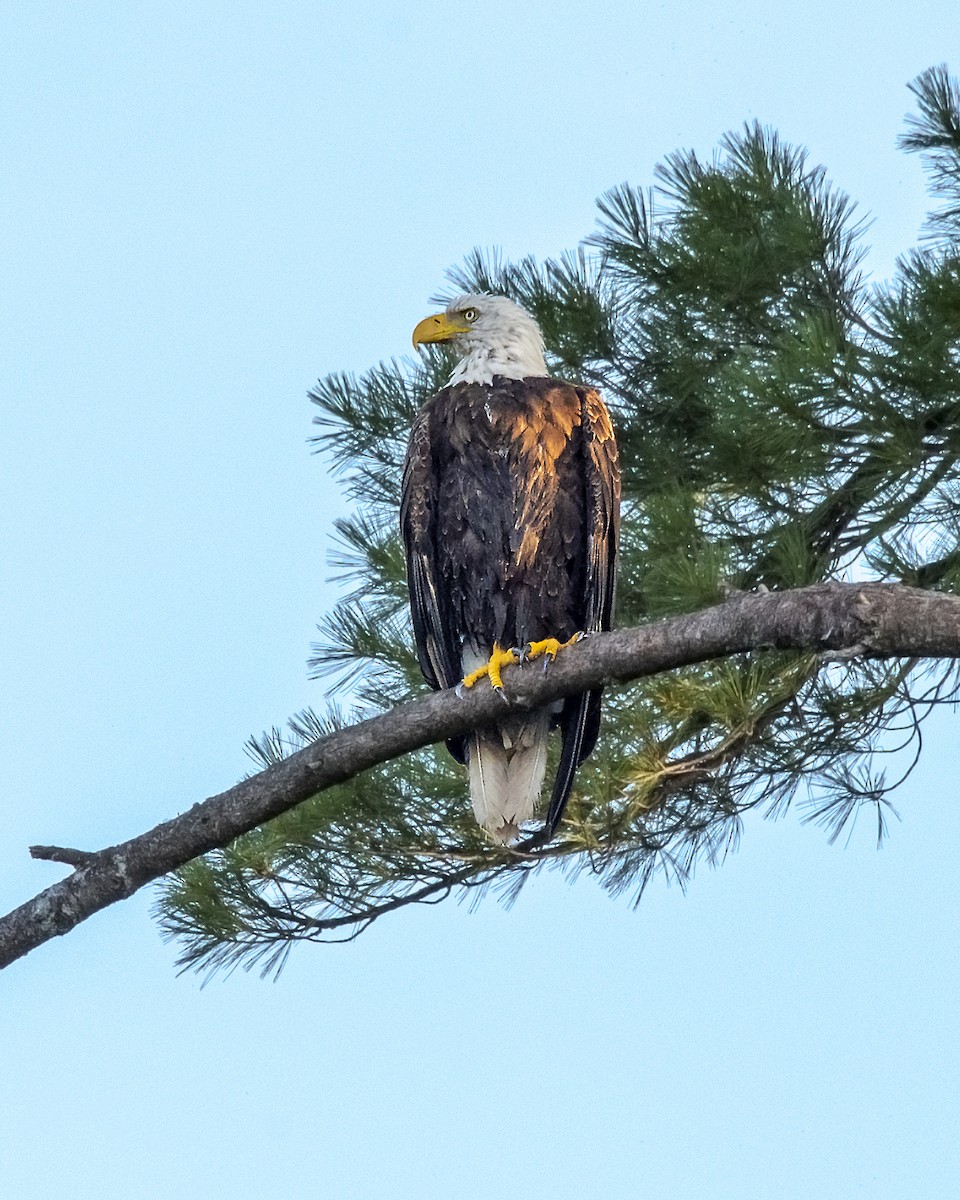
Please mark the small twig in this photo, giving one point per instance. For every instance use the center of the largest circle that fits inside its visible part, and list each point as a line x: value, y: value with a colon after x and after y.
x: 845, y: 655
x: 864, y: 324
x: 63, y: 854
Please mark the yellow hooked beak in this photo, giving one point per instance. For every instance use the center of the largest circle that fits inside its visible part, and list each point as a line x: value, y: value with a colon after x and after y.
x: 439, y: 328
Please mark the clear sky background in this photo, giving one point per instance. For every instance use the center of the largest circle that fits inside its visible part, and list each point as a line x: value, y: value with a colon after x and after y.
x: 205, y: 206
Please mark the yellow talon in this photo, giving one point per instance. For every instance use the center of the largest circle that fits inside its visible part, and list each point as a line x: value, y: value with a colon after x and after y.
x: 549, y: 647
x: 498, y: 660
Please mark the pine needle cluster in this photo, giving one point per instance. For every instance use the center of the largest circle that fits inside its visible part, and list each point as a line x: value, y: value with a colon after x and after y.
x: 780, y: 422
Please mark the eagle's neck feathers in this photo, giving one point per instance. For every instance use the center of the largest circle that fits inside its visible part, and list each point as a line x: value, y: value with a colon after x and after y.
x: 512, y: 362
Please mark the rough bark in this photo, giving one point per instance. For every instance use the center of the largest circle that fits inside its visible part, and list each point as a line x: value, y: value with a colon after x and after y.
x: 879, y: 620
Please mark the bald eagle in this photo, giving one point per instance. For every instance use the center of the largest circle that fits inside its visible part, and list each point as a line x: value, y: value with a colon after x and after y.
x: 509, y: 516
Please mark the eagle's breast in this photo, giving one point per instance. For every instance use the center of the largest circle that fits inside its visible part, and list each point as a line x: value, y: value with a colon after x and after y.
x: 511, y: 539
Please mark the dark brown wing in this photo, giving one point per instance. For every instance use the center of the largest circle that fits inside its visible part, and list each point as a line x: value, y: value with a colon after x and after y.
x: 439, y: 656
x: 602, y: 482
x: 580, y: 718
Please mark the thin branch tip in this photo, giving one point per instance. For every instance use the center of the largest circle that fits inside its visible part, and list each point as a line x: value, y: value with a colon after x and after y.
x: 63, y: 854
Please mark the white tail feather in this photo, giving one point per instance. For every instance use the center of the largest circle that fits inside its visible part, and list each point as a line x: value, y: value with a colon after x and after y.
x: 506, y: 776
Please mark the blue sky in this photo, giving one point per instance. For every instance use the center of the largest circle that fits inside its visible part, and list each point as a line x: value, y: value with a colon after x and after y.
x: 206, y: 206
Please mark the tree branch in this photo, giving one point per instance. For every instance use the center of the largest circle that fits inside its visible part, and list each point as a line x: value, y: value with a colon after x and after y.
x: 880, y: 620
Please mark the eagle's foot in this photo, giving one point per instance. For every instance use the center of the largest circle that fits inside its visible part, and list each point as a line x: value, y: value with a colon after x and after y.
x: 548, y: 649
x: 491, y: 669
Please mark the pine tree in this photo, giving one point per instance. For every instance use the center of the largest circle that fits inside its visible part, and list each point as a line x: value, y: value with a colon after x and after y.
x: 780, y: 423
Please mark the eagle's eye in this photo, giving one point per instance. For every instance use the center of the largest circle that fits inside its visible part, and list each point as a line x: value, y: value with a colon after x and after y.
x: 470, y: 314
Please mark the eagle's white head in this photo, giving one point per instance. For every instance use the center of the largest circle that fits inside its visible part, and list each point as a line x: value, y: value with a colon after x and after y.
x: 493, y: 336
